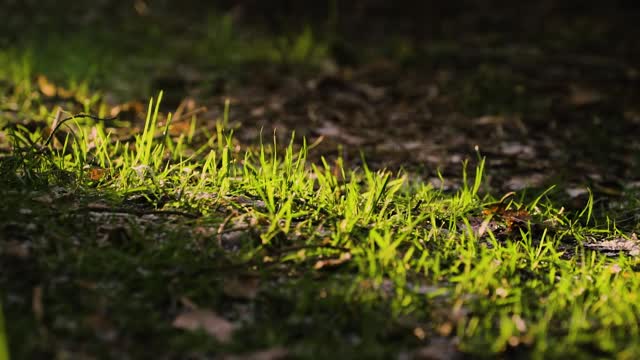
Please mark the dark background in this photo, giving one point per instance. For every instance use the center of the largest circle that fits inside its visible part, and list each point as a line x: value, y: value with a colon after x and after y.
x: 364, y: 21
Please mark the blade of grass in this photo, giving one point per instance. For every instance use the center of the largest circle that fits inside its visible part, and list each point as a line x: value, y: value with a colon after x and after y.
x: 4, y: 348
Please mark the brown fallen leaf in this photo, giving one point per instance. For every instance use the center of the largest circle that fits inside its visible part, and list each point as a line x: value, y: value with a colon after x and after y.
x: 258, y: 111
x: 580, y: 96
x: 49, y: 89
x: 127, y: 110
x: 513, y: 148
x: 331, y: 263
x: 181, y: 123
x: 512, y: 218
x: 275, y: 353
x: 520, y: 182
x: 372, y: 93
x: 631, y: 246
x: 201, y: 319
x: 102, y: 326
x: 241, y: 287
x: 445, y: 329
x: 495, y: 120
x: 332, y: 130
x: 96, y: 173
x: 141, y: 7
x: 44, y: 199
x: 480, y: 226
x: 46, y: 87
x: 632, y: 116
x: 17, y: 249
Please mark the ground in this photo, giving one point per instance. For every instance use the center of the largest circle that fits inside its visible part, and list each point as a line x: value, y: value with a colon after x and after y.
x: 226, y: 185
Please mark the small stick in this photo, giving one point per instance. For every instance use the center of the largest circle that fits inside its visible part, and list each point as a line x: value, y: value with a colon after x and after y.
x: 58, y: 123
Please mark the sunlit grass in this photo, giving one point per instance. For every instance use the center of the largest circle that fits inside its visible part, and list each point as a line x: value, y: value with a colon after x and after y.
x: 494, y: 286
x: 4, y: 348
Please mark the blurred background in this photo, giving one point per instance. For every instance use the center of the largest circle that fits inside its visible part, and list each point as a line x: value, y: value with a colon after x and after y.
x: 548, y: 90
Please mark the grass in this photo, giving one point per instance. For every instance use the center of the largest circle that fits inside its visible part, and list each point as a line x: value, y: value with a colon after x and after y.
x: 107, y: 238
x: 4, y: 348
x: 119, y: 236
x: 92, y: 59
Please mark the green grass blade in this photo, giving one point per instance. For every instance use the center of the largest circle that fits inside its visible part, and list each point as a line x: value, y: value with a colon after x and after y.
x: 4, y: 348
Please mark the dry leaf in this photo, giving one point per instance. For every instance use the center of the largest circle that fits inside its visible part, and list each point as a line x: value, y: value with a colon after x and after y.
x: 102, y: 326
x: 129, y: 109
x: 44, y: 199
x: 490, y: 120
x: 512, y: 218
x: 141, y: 7
x: 630, y: 246
x: 516, y: 148
x: 373, y: 93
x: 17, y: 249
x: 97, y: 173
x: 241, y: 288
x: 49, y: 89
x: 258, y: 111
x: 46, y: 87
x: 206, y: 320
x: 632, y: 116
x: 520, y: 182
x: 98, y: 205
x: 331, y: 263
x: 580, y: 96
x: 331, y: 130
x: 445, y: 329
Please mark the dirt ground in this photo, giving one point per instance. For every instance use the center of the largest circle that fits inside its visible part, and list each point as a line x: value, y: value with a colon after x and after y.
x: 547, y: 93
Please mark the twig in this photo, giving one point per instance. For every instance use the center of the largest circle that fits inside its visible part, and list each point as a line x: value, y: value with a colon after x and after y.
x: 58, y: 123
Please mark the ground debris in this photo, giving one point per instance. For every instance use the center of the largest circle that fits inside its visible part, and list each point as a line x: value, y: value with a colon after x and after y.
x: 438, y: 349
x: 613, y: 247
x: 332, y: 263
x: 202, y: 319
x: 241, y: 287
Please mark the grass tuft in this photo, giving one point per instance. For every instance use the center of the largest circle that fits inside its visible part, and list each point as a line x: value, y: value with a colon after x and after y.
x: 150, y: 225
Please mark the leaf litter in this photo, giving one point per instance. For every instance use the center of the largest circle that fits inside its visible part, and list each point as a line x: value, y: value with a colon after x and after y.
x: 377, y: 111
x: 613, y: 247
x: 205, y: 320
